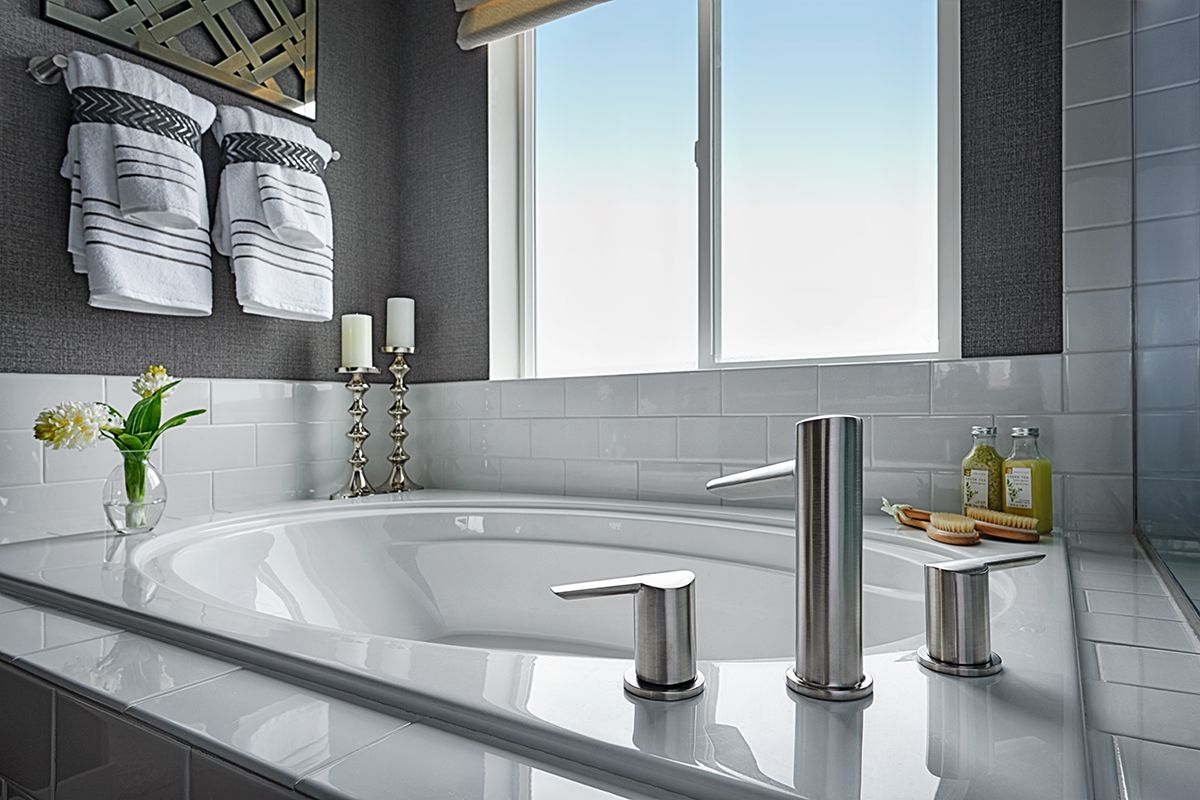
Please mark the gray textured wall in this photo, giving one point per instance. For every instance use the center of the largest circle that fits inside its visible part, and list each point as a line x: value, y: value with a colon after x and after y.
x: 1012, y: 278
x: 407, y: 110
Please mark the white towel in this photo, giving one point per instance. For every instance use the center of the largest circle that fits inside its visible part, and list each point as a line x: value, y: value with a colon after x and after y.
x: 136, y: 227
x: 273, y: 216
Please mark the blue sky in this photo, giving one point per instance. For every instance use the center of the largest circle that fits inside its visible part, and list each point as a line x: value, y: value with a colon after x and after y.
x: 829, y: 154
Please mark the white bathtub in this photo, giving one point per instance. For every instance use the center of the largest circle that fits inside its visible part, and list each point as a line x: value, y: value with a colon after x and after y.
x: 439, y: 604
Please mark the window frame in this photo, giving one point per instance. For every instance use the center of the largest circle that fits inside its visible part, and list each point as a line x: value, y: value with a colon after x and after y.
x: 512, y: 233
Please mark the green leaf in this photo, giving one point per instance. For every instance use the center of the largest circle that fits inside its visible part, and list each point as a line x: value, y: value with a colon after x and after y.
x: 116, y: 413
x: 130, y: 442
x: 173, y: 422
x: 153, y: 414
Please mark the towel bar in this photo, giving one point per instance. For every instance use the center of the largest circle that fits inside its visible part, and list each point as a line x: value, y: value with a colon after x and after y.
x: 48, y: 70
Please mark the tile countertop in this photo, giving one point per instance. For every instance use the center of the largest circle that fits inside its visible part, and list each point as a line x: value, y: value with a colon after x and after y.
x: 1140, y: 666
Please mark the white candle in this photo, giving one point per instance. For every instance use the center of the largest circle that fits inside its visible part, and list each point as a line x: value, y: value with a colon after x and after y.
x: 356, y: 340
x: 401, y: 312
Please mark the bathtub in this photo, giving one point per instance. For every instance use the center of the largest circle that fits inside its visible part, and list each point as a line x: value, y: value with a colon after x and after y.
x: 438, y: 604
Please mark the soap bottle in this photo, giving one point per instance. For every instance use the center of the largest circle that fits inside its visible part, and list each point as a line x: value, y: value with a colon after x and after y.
x: 1027, y: 486
x: 983, y: 478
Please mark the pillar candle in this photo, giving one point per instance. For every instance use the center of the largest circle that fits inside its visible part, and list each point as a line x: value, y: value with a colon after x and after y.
x: 400, y: 315
x: 356, y: 340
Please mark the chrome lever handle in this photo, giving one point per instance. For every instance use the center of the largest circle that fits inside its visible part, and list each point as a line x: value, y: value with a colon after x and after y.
x: 958, y: 628
x: 664, y: 628
x: 773, y: 480
x: 976, y: 566
x: 677, y: 579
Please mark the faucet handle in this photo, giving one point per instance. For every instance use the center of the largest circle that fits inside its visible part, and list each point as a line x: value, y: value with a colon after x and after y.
x: 958, y: 627
x: 664, y: 630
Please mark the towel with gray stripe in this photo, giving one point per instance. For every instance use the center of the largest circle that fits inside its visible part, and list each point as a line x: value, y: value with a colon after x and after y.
x: 139, y: 210
x: 273, y: 215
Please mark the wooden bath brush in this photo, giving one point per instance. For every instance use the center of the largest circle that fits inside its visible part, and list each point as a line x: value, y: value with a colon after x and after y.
x: 999, y: 525
x: 941, y: 527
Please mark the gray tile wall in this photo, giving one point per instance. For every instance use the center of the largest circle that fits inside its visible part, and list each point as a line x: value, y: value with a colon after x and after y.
x: 1166, y: 236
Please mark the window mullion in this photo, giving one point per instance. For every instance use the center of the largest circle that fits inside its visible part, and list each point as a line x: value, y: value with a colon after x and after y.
x: 708, y: 165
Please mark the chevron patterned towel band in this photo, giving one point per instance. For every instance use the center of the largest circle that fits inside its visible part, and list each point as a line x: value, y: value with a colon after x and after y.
x: 114, y: 107
x: 240, y: 147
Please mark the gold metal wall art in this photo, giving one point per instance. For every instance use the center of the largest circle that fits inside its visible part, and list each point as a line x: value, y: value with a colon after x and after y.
x: 264, y: 48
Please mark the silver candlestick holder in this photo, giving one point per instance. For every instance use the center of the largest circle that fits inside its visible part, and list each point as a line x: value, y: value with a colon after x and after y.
x: 398, y: 480
x: 357, y: 485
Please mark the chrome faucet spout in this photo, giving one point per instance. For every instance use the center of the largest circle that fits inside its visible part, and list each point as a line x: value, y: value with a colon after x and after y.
x: 826, y: 480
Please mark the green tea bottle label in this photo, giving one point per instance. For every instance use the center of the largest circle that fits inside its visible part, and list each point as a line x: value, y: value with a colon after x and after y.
x: 1018, y: 486
x: 975, y: 488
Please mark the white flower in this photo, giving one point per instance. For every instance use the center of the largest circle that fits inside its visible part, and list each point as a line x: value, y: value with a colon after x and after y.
x: 73, y: 425
x: 152, y: 379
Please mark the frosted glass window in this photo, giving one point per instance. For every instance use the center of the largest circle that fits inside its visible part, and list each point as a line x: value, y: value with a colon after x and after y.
x: 829, y: 165
x: 615, y: 206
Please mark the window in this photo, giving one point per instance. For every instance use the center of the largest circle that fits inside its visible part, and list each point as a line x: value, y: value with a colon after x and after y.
x: 702, y: 183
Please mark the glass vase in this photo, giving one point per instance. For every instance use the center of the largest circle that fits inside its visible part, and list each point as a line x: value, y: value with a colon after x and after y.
x: 135, y: 494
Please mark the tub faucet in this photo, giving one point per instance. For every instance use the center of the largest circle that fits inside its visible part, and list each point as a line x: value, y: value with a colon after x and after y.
x: 826, y: 479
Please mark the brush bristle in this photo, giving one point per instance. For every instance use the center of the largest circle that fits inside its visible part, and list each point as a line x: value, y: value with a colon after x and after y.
x: 1002, y: 518
x: 951, y: 523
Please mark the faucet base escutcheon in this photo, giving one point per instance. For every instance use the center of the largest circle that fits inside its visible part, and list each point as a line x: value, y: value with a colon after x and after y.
x: 820, y: 691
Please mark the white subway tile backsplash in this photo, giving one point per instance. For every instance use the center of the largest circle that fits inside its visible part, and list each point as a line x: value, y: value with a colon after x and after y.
x: 1100, y: 503
x: 1001, y: 385
x: 189, y: 493
x: 1087, y: 443
x: 606, y: 396
x: 532, y: 398
x: 676, y: 483
x: 947, y: 491
x: 1168, y: 313
x: 1100, y: 195
x: 1084, y: 20
x: 79, y: 465
x: 1168, y: 250
x: 293, y: 442
x: 1168, y: 378
x: 1100, y: 382
x: 1097, y: 71
x: 540, y: 476
x: 642, y: 438
x: 238, y: 489
x: 1168, y: 184
x: 23, y: 396
x: 20, y: 458
x: 777, y: 390
x: 252, y: 401
x: 905, y: 486
x: 469, y: 400
x: 1098, y: 258
x: 211, y: 447
x: 65, y: 497
x: 929, y: 442
x: 1167, y: 55
x: 466, y: 472
x: 728, y: 439
x: 602, y: 479
x: 322, y: 402
x: 676, y: 393
x: 500, y: 437
x: 564, y: 438
x: 1096, y: 133
x: 875, y: 388
x: 1099, y: 320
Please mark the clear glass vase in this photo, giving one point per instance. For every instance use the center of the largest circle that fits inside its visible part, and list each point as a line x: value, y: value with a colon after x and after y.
x: 135, y: 494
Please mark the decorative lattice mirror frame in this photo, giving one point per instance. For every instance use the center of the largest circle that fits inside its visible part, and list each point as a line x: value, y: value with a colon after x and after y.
x: 152, y: 28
